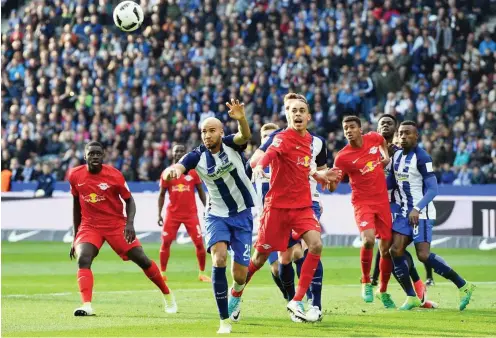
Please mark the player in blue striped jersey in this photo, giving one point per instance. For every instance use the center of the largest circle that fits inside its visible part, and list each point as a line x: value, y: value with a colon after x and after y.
x: 228, y: 219
x: 412, y: 174
x: 386, y: 126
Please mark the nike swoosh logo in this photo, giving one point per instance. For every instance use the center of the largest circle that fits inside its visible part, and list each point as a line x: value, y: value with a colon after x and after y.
x: 79, y: 185
x: 143, y: 235
x: 68, y: 238
x: 484, y: 245
x: 298, y: 147
x: 354, y: 161
x: 14, y: 237
x: 235, y: 317
x: 439, y: 241
x: 221, y: 293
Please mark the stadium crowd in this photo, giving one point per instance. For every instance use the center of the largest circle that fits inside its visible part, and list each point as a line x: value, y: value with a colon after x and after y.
x: 69, y: 76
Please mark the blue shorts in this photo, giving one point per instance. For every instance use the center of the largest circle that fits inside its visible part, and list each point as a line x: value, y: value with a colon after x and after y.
x: 395, y: 210
x: 273, y: 257
x: 236, y: 231
x: 419, y: 233
x: 316, y: 211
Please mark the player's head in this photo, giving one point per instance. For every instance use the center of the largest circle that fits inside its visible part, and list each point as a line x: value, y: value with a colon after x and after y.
x: 178, y: 152
x: 352, y: 127
x: 211, y: 133
x: 290, y: 97
x: 266, y: 130
x: 93, y: 155
x: 298, y: 115
x: 386, y: 126
x: 408, y: 135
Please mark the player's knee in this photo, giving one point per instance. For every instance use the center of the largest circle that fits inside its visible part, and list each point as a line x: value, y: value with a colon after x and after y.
x: 239, y: 276
x: 84, y: 261
x: 396, y: 251
x: 285, y: 257
x: 315, y: 247
x: 368, y: 242
x: 166, y: 243
x: 259, y: 258
x: 219, y: 259
x: 423, y: 255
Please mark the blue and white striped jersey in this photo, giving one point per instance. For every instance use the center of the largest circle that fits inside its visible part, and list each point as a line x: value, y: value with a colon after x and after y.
x: 229, y: 188
x: 410, y: 170
x: 319, y: 158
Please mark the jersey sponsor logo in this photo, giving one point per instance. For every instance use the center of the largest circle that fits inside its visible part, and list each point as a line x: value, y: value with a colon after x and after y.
x: 103, y: 186
x: 401, y: 176
x: 373, y: 150
x: 188, y: 178
x: 369, y: 167
x: 220, y: 171
x: 181, y: 188
x: 305, y: 161
x: 93, y: 198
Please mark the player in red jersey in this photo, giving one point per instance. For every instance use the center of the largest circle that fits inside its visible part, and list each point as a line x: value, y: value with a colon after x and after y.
x: 181, y: 210
x: 363, y: 160
x: 98, y: 217
x: 288, y: 203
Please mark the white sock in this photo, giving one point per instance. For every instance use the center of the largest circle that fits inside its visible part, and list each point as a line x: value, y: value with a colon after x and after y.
x: 238, y: 287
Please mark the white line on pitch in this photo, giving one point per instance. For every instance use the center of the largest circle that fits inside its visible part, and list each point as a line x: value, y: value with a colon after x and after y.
x: 61, y: 294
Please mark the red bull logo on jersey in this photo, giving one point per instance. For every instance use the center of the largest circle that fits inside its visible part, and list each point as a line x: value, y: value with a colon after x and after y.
x: 181, y: 188
x: 369, y: 167
x: 305, y: 161
x: 93, y: 198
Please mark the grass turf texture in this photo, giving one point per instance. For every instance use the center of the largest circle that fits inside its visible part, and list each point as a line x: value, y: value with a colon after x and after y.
x: 39, y: 294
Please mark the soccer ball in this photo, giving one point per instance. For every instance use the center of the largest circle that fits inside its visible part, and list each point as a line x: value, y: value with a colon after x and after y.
x: 128, y: 16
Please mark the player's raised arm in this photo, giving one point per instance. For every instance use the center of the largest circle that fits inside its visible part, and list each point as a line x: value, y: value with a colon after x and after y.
x: 237, y: 112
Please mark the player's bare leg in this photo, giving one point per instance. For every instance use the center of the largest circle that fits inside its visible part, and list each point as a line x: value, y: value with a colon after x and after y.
x: 138, y: 256
x: 385, y: 270
x: 366, y: 255
x: 85, y: 253
x: 442, y: 268
x: 295, y: 306
x: 257, y: 260
x: 401, y: 269
x: 220, y: 285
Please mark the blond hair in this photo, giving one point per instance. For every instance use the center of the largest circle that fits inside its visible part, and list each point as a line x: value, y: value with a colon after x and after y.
x: 269, y: 126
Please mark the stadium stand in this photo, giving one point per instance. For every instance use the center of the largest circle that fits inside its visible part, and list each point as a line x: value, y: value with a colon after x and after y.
x: 69, y: 76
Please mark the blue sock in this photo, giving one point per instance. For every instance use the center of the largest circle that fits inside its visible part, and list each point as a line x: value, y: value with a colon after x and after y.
x: 402, y: 275
x: 219, y: 283
x: 316, y: 286
x: 413, y: 271
x: 278, y: 282
x: 287, y: 275
x: 443, y: 269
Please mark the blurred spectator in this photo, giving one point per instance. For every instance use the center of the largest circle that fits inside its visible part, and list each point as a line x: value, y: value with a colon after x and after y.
x: 46, y: 182
x: 71, y: 76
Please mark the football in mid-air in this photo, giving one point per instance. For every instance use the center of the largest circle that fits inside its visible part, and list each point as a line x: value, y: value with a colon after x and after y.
x: 128, y: 16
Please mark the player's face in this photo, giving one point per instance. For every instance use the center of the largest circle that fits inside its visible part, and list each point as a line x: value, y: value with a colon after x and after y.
x: 265, y: 135
x: 178, y: 152
x: 351, y: 131
x: 94, y: 157
x: 211, y: 136
x: 386, y: 127
x: 298, y: 115
x: 408, y: 136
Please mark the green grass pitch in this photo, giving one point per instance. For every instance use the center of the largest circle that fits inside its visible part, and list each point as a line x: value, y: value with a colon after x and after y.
x: 39, y: 294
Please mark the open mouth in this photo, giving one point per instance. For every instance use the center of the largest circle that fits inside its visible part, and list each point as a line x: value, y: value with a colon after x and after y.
x: 298, y: 120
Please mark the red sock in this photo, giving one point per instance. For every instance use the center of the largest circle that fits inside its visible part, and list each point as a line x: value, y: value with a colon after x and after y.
x: 85, y: 282
x: 385, y: 269
x: 201, y: 255
x: 366, y: 260
x: 251, y: 271
x: 154, y: 275
x: 164, y: 255
x: 306, y: 275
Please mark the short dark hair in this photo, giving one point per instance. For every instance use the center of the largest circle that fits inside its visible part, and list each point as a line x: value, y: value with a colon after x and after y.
x: 352, y: 118
x: 409, y: 123
x: 392, y: 117
x: 93, y: 144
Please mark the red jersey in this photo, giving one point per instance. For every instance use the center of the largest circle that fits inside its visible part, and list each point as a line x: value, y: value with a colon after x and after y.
x: 99, y: 195
x: 364, y: 168
x: 291, y: 157
x: 182, y: 195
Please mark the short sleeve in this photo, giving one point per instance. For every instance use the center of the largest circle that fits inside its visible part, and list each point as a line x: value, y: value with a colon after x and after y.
x: 123, y: 188
x: 229, y: 141
x: 72, y: 184
x: 321, y: 158
x: 424, y: 164
x: 279, y: 144
x: 191, y: 159
x: 267, y: 143
x: 377, y: 138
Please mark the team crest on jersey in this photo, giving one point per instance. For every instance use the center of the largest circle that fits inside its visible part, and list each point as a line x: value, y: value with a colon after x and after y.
x: 364, y: 224
x: 305, y: 161
x: 188, y: 178
x: 276, y: 142
x: 103, y: 186
x: 373, y: 150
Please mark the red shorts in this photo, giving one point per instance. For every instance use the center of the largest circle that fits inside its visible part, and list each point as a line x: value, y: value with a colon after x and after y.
x: 377, y: 217
x: 171, y: 226
x: 114, y: 237
x: 276, y: 226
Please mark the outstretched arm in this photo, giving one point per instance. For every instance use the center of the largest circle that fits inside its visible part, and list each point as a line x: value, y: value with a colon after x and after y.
x: 257, y: 155
x: 237, y: 112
